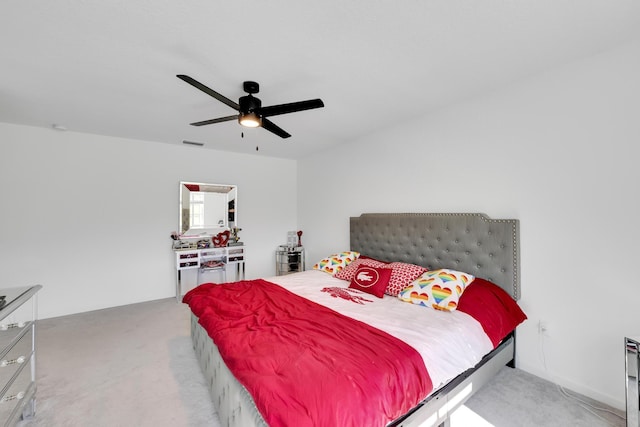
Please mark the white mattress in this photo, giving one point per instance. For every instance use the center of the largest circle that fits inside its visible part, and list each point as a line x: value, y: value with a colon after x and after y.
x: 449, y: 343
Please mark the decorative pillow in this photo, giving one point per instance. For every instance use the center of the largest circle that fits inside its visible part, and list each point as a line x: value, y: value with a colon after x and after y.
x: 402, y: 276
x: 372, y: 280
x: 349, y: 271
x: 438, y: 289
x: 336, y: 262
x: 493, y: 308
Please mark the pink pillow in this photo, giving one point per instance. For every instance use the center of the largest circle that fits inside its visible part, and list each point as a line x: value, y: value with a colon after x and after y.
x: 371, y: 280
x: 402, y: 275
x: 349, y: 271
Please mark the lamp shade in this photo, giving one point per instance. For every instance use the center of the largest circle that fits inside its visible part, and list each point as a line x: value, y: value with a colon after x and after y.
x: 251, y: 120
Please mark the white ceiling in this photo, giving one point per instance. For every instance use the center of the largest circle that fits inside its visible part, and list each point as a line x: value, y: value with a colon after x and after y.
x: 109, y: 67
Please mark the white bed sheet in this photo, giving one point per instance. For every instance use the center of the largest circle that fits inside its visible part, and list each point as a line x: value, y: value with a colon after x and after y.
x: 449, y: 343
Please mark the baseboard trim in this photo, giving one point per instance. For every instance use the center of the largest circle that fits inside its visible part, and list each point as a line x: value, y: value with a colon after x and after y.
x: 574, y: 387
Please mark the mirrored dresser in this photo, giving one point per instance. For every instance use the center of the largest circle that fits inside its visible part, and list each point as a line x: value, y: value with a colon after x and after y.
x: 632, y: 368
x: 18, y: 313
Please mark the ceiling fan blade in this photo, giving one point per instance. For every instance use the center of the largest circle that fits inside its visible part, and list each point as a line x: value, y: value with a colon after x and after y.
x: 272, y: 127
x: 292, y: 107
x: 209, y: 91
x: 212, y: 121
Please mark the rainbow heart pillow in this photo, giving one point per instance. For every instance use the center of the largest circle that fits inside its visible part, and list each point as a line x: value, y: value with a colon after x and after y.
x: 438, y: 289
x: 336, y: 262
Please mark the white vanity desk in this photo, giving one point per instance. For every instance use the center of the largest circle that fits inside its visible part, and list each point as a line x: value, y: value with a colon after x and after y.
x: 208, y: 212
x: 222, y: 260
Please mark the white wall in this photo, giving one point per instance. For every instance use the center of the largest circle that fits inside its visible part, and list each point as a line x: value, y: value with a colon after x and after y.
x: 89, y: 216
x: 559, y: 152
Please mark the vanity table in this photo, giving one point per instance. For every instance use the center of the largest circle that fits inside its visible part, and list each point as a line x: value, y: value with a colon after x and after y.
x: 18, y: 312
x: 206, y: 211
x: 222, y: 260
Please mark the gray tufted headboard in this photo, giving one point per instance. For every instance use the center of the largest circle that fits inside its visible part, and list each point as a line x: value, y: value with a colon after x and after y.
x: 469, y: 242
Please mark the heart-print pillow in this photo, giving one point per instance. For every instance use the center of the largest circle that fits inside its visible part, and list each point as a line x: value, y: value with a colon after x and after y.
x: 336, y: 262
x: 438, y: 289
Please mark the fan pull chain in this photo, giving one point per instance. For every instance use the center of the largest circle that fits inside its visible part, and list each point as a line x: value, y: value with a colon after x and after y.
x: 242, y: 136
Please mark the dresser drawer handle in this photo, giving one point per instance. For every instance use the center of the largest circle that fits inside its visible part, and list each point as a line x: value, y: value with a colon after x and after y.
x: 7, y: 326
x: 18, y: 360
x: 12, y: 397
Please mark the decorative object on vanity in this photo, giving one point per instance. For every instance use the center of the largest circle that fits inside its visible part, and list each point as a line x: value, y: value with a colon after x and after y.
x: 203, y: 243
x: 177, y: 243
x: 181, y: 245
x: 632, y: 384
x: 289, y: 259
x: 251, y: 113
x: 207, y: 209
x: 292, y: 239
x: 299, y: 233
x: 18, y: 354
x: 234, y: 240
x: 220, y: 240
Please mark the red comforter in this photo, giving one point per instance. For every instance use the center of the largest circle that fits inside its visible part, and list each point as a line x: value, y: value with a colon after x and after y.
x: 307, y: 365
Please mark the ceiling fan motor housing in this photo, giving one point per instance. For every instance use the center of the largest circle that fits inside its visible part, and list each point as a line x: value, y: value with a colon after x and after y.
x: 249, y: 103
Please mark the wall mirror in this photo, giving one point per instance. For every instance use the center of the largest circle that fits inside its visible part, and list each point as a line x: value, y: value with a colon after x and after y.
x: 207, y: 208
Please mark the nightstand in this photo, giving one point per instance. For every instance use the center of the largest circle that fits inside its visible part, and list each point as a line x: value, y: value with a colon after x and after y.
x: 18, y: 313
x: 289, y: 259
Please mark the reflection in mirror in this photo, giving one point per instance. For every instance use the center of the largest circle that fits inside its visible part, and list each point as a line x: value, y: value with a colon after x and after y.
x: 207, y: 208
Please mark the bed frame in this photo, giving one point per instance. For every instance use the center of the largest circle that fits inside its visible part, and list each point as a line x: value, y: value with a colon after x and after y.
x: 470, y: 242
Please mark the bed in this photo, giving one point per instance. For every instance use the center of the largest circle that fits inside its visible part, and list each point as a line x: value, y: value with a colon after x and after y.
x: 486, y: 249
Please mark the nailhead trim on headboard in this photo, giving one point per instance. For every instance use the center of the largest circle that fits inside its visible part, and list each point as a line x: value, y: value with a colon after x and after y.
x: 469, y: 242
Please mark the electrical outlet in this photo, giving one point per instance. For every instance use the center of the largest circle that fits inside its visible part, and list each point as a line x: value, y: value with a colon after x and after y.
x: 543, y: 328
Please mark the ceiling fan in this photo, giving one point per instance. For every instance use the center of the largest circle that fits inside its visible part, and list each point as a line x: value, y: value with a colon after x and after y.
x: 251, y: 113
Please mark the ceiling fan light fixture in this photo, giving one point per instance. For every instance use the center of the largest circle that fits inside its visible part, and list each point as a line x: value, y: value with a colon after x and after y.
x: 250, y: 120
x: 249, y: 108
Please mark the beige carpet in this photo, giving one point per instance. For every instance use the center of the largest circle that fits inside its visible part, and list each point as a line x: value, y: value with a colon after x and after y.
x: 124, y: 366
x: 134, y: 366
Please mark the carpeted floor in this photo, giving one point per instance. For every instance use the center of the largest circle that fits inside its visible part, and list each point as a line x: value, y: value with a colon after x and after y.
x: 517, y: 398
x: 134, y: 366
